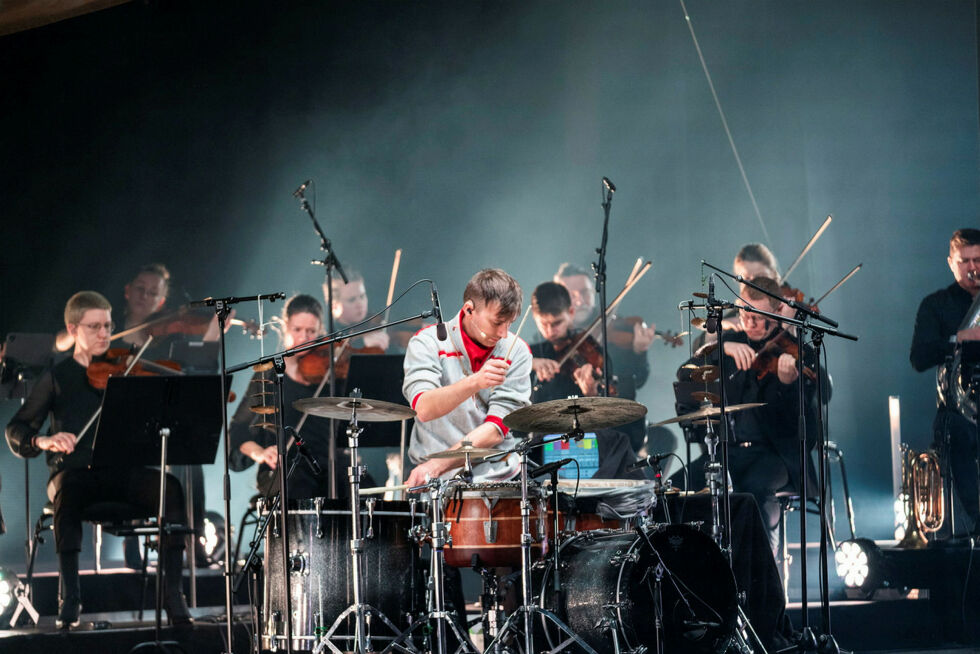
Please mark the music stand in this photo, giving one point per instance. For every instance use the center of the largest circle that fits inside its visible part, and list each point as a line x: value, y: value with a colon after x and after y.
x: 140, y: 416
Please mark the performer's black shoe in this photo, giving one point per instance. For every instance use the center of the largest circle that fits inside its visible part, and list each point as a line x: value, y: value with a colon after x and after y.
x: 69, y: 613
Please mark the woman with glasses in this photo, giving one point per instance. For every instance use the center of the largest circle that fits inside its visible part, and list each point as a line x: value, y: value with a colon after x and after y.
x: 65, y: 395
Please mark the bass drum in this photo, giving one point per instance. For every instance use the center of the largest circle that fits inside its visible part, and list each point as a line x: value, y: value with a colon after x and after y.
x: 320, y: 578
x: 609, y: 584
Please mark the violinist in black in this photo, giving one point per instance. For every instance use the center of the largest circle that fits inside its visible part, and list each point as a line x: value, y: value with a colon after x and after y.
x: 763, y: 452
x: 65, y: 395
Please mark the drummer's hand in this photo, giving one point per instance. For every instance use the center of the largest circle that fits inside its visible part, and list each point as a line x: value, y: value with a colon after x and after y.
x: 492, y: 373
x: 60, y: 442
x: 643, y: 336
x: 267, y: 455
x: 377, y: 339
x: 786, y: 369
x: 742, y: 353
x: 545, y: 369
x: 423, y: 472
x: 585, y: 378
x: 971, y: 334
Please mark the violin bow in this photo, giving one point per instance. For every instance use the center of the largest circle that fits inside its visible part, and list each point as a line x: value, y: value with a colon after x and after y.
x: 630, y: 283
x: 129, y: 368
x: 809, y: 244
x: 517, y: 334
x: 838, y: 284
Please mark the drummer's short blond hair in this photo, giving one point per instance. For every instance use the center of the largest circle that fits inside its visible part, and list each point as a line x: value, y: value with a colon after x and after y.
x: 81, y: 302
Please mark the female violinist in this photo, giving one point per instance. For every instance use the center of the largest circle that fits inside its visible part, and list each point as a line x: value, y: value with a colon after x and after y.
x: 254, y: 442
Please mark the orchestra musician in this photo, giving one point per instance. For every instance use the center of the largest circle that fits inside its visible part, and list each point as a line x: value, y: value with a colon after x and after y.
x: 935, y: 336
x: 65, y: 394
x: 350, y: 307
x: 253, y: 443
x: 763, y: 451
x: 630, y: 364
x: 462, y: 387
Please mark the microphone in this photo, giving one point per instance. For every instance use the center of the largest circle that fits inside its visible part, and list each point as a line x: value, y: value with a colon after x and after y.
x: 548, y: 468
x: 437, y: 312
x: 305, y: 453
x: 609, y: 185
x: 711, y: 324
x: 651, y: 461
x: 302, y: 187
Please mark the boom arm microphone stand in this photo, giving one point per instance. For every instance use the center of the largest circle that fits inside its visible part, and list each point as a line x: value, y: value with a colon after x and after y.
x: 808, y: 641
x: 599, y: 269
x: 329, y: 262
x: 221, y: 310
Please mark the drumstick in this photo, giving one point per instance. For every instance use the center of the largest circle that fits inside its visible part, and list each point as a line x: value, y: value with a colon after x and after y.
x: 381, y: 490
x: 518, y: 333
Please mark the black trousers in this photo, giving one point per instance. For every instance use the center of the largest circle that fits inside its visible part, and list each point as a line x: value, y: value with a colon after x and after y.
x: 962, y: 457
x: 77, y: 489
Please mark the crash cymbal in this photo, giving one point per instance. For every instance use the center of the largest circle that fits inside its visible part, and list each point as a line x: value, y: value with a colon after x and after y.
x: 705, y: 422
x: 475, y: 453
x: 705, y: 374
x: 340, y: 408
x: 698, y: 323
x: 558, y: 416
x: 698, y: 294
x: 709, y: 412
x: 705, y: 396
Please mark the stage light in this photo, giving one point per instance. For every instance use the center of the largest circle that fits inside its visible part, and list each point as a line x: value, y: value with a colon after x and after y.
x: 10, y: 586
x: 859, y: 564
x: 213, y: 538
x: 901, y: 517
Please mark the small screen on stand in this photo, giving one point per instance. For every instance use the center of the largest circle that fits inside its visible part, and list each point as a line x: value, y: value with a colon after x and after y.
x: 585, y: 451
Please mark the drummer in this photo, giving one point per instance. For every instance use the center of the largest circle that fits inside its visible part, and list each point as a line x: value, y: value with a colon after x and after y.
x: 462, y: 387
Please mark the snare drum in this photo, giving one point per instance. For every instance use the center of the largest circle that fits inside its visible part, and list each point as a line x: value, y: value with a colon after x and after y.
x: 484, y: 520
x: 319, y: 570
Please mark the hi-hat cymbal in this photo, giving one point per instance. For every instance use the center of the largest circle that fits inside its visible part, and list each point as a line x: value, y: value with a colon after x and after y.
x: 709, y: 412
x: 341, y: 407
x: 558, y: 416
x: 705, y: 374
x: 460, y: 452
x: 703, y: 396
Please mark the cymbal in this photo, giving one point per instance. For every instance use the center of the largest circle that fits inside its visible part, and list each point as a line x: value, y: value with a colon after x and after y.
x: 558, y: 416
x: 460, y: 452
x: 705, y: 374
x: 262, y: 367
x: 698, y: 323
x: 703, y: 396
x: 341, y: 407
x: 262, y: 409
x: 709, y: 412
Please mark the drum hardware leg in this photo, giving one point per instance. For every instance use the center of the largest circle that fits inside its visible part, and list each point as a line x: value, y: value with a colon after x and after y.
x: 437, y: 610
x: 492, y: 616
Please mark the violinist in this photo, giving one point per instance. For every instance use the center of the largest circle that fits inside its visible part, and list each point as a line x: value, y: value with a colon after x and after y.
x: 350, y: 307
x: 553, y: 313
x: 630, y: 362
x: 933, y: 341
x: 252, y: 443
x: 763, y: 450
x: 65, y: 395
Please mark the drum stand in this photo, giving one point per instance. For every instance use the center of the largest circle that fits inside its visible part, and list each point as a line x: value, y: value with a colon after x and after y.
x: 438, y: 610
x: 528, y: 609
x: 362, y: 612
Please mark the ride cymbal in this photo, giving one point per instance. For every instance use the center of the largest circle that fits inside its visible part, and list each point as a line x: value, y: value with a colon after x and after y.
x: 709, y: 412
x: 341, y: 408
x: 558, y: 416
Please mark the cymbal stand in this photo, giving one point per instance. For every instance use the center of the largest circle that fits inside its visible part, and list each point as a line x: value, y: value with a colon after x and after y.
x: 437, y: 611
x: 362, y: 611
x: 528, y: 609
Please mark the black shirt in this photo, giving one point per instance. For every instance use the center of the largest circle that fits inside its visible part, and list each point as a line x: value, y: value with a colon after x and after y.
x: 936, y: 324
x: 65, y: 394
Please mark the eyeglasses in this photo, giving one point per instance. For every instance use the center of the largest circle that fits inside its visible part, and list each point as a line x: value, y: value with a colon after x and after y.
x: 95, y: 327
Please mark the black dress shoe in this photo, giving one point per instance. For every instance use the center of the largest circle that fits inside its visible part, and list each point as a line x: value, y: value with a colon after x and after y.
x: 178, y: 614
x: 69, y: 613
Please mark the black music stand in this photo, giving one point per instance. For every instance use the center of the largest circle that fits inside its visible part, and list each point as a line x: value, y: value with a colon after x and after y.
x: 142, y: 419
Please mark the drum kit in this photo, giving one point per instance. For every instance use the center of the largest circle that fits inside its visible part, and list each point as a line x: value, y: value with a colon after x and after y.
x: 355, y: 579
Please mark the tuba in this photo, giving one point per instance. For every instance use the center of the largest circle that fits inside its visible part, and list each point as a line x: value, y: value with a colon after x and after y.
x: 922, y: 487
x: 955, y: 378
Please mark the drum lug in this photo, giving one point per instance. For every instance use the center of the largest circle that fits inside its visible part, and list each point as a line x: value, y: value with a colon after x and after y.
x: 490, y: 531
x: 272, y: 628
x: 619, y: 558
x: 318, y: 507
x: 369, y: 533
x: 299, y: 563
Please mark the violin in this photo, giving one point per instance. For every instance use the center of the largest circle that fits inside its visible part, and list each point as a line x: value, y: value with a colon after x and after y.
x: 575, y: 352
x: 767, y: 358
x: 116, y: 362
x: 620, y: 332
x: 315, y: 364
x: 187, y: 322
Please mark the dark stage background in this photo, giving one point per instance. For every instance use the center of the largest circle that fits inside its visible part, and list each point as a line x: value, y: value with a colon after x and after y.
x: 475, y: 134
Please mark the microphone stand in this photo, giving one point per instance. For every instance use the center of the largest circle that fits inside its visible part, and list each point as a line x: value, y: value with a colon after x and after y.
x: 329, y: 262
x: 599, y: 269
x: 221, y: 310
x: 808, y: 642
